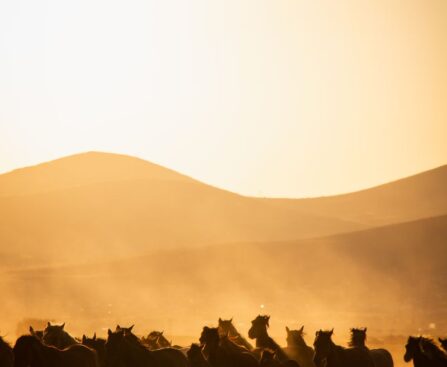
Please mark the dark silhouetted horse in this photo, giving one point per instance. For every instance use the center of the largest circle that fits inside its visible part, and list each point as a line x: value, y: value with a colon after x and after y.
x: 97, y: 344
x: 156, y: 340
x: 37, y: 333
x: 224, y: 355
x: 413, y: 352
x: 435, y: 354
x: 226, y: 327
x: 124, y: 349
x: 31, y: 352
x: 381, y: 357
x: 258, y: 331
x: 297, y: 349
x: 328, y: 354
x: 196, y: 357
x: 56, y: 336
x: 6, y: 354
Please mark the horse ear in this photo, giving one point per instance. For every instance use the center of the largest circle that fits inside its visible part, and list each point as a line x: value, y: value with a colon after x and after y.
x: 231, y: 320
x: 130, y: 329
x: 48, y: 324
x: 161, y: 332
x: 31, y: 330
x: 94, y: 336
x: 302, y: 329
x: 62, y: 326
x: 109, y: 332
x: 364, y: 329
x: 332, y: 331
x: 84, y: 339
x: 220, y: 320
x: 118, y: 327
x: 287, y: 329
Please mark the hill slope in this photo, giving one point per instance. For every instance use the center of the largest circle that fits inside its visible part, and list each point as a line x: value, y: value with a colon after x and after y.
x: 106, y: 206
x: 420, y: 196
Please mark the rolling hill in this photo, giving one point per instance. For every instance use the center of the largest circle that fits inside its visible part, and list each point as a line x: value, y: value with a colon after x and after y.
x: 101, y: 206
x: 420, y: 196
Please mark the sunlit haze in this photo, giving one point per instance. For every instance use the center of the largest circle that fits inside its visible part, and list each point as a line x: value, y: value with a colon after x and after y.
x: 265, y: 98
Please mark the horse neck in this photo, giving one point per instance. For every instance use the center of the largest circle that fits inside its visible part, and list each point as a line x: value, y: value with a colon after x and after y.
x: 358, y: 343
x: 335, y: 356
x: 211, y: 350
x: 299, y: 343
x: 263, y: 340
x: 232, y: 331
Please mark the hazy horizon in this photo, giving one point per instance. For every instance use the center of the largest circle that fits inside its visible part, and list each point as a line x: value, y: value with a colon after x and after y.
x: 263, y: 98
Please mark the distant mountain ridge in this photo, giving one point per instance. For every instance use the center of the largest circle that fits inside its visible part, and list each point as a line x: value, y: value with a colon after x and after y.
x: 103, y: 205
x: 82, y: 169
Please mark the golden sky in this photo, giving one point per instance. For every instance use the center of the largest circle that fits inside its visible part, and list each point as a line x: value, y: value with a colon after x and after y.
x: 278, y: 98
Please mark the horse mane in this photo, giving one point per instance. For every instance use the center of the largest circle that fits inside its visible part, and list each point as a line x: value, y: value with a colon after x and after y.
x: 358, y: 338
x: 430, y: 348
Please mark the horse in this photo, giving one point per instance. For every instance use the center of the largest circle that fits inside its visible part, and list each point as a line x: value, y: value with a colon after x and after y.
x: 381, y: 357
x: 97, y: 344
x: 226, y: 327
x: 156, y: 340
x: 56, y: 336
x: 328, y: 354
x: 433, y: 352
x: 6, y: 354
x: 37, y: 333
x: 31, y: 352
x: 414, y: 352
x: 223, y: 355
x: 124, y: 349
x: 297, y: 349
x: 443, y: 343
x: 196, y: 357
x: 258, y: 331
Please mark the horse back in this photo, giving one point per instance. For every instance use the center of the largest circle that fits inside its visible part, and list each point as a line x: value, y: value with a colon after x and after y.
x: 381, y: 358
x: 169, y: 357
x: 79, y: 355
x: 357, y: 357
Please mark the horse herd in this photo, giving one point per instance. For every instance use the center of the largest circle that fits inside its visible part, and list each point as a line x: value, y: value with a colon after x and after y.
x: 221, y: 346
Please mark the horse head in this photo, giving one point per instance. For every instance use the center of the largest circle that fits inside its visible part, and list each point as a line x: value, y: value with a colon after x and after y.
x: 358, y: 337
x: 259, y: 326
x: 323, y: 346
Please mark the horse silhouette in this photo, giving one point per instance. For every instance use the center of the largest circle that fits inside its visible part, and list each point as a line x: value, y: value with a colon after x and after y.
x: 56, y: 336
x: 37, y: 333
x: 297, y: 349
x: 124, y: 349
x: 29, y: 351
x: 413, y: 352
x: 196, y: 357
x: 226, y: 327
x: 97, y: 344
x: 222, y: 354
x: 435, y: 354
x: 259, y: 332
x: 156, y: 340
x: 328, y: 354
x: 6, y: 354
x: 381, y: 357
